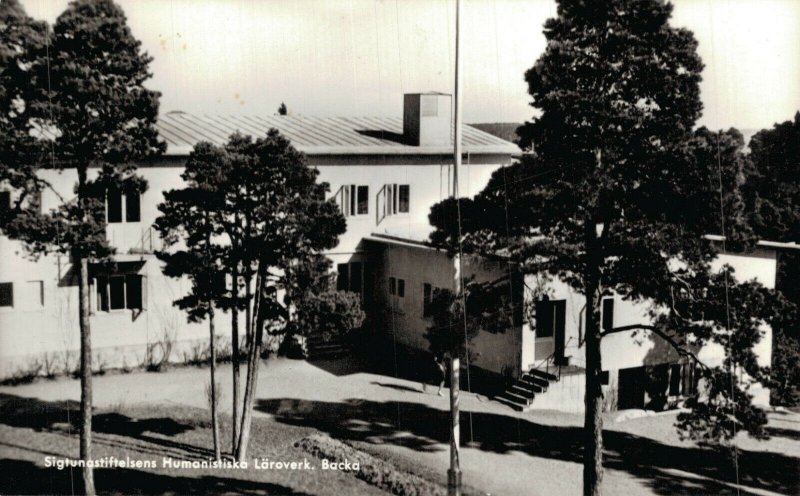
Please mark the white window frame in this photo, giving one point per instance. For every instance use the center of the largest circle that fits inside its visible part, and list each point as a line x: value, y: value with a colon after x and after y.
x: 391, y: 203
x: 348, y: 200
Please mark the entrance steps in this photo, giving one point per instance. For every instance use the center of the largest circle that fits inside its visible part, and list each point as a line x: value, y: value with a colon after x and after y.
x: 534, y: 384
x: 318, y: 348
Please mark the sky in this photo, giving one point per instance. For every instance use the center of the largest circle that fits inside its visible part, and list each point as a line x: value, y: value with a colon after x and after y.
x: 357, y: 57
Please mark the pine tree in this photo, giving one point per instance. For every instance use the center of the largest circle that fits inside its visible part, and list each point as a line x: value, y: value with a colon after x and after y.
x: 99, y: 119
x: 189, y: 220
x: 617, y: 196
x: 291, y: 225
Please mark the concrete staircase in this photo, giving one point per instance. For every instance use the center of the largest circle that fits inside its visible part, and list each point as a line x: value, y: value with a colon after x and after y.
x: 319, y: 349
x: 521, y: 394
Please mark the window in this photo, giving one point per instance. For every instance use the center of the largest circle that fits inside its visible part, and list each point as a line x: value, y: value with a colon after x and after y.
x: 355, y: 277
x: 604, y: 378
x: 133, y: 291
x: 354, y: 200
x: 342, y: 277
x: 114, y: 202
x: 32, y: 295
x: 6, y: 294
x: 113, y: 206
x: 675, y: 379
x: 429, y: 292
x: 550, y: 318
x: 403, y: 193
x: 363, y: 200
x: 608, y: 314
x: 119, y: 292
x: 349, y: 277
x: 132, y: 207
x: 397, y: 199
x: 397, y: 287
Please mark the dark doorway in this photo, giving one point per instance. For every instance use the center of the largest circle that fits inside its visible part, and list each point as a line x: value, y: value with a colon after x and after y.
x: 631, y: 388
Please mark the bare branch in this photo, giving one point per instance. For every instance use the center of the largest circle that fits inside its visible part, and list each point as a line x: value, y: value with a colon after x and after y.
x: 669, y: 339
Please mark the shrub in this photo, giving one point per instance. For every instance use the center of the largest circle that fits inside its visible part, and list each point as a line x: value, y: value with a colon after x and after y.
x: 372, y: 470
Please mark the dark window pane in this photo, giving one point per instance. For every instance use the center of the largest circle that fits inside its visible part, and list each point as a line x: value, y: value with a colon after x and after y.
x: 401, y: 288
x: 6, y: 294
x: 114, y: 206
x: 342, y: 277
x: 608, y: 314
x: 352, y: 196
x: 404, y: 198
x: 133, y: 293
x: 604, y: 378
x: 102, y: 294
x: 116, y: 292
x: 355, y: 277
x: 389, y: 198
x: 363, y: 199
x: 675, y: 379
x: 132, y: 207
x: 544, y: 319
x: 392, y: 286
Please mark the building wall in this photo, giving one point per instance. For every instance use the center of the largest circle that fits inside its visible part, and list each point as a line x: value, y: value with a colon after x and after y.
x: 402, y: 317
x: 430, y: 182
x: 637, y: 348
x: 31, y: 332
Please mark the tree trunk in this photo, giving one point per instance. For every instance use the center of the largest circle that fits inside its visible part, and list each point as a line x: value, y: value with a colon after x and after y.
x: 86, y: 377
x: 253, y: 362
x: 213, y: 359
x: 235, y: 356
x: 86, y: 349
x: 248, y: 313
x: 593, y: 424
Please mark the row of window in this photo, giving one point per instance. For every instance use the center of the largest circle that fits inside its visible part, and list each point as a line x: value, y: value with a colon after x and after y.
x: 119, y: 206
x: 31, y: 297
x: 117, y: 292
x: 393, y: 199
x: 551, y: 317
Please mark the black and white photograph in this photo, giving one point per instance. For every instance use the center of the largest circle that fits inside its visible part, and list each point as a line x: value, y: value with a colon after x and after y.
x: 400, y: 247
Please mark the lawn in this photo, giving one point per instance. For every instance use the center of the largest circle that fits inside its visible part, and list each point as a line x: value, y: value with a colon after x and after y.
x: 504, y: 452
x: 31, y: 430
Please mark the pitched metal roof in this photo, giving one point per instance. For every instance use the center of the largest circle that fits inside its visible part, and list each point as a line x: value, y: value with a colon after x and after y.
x: 317, y: 135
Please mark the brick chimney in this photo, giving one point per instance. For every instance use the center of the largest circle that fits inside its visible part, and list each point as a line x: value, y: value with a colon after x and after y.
x: 427, y: 119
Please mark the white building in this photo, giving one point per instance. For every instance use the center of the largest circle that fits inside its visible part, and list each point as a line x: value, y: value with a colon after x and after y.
x: 385, y: 173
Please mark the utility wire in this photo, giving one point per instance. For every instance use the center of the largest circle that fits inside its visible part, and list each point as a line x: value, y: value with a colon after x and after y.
x: 731, y: 366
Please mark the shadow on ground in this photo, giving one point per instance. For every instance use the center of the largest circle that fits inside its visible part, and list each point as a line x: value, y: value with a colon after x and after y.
x: 24, y: 477
x: 667, y: 469
x: 32, y: 413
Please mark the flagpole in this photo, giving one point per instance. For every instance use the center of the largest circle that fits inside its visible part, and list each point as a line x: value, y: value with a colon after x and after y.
x: 454, y: 472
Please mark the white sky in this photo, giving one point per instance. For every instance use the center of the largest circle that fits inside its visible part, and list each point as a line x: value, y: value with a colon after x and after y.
x: 357, y: 57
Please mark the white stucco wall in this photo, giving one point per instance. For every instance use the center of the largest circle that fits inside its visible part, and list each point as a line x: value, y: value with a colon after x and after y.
x: 28, y: 332
x: 638, y: 348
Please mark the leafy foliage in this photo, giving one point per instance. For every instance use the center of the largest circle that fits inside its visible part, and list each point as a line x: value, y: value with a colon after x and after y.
x: 89, y: 109
x: 618, y: 193
x: 773, y: 186
x: 331, y: 313
x: 488, y: 309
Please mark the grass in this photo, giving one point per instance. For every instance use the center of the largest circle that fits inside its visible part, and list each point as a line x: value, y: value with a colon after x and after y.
x: 31, y: 430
